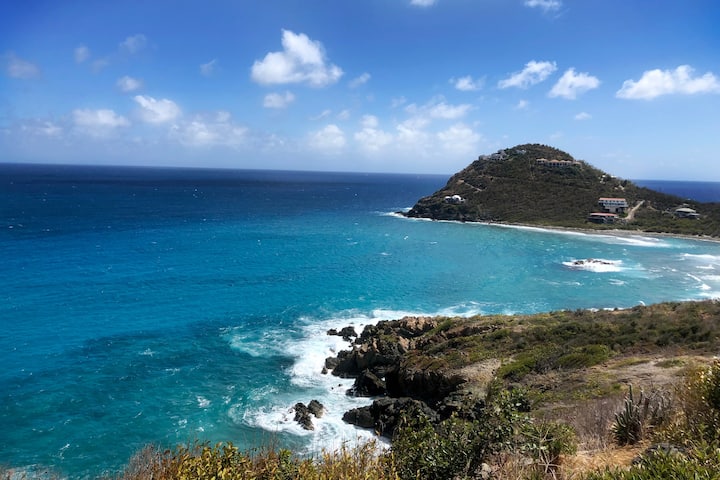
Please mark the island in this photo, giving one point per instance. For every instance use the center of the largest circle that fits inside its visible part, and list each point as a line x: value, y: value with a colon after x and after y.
x: 539, y: 185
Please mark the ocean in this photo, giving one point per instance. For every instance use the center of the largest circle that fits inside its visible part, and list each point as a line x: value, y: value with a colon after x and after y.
x: 164, y: 306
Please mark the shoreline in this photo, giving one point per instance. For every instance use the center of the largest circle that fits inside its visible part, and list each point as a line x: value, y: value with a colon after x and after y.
x: 557, y: 228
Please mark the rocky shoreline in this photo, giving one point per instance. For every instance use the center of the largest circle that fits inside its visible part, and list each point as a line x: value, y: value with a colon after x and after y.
x: 378, y: 361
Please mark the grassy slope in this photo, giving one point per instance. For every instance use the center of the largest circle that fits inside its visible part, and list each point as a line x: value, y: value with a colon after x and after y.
x: 518, y: 190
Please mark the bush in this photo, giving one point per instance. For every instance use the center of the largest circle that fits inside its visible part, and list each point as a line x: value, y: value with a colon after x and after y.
x: 699, y: 399
x: 638, y: 415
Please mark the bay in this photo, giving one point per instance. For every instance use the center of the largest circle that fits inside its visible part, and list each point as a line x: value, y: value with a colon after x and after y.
x: 167, y: 305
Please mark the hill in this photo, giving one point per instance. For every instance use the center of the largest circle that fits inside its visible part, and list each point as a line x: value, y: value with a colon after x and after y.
x: 541, y: 185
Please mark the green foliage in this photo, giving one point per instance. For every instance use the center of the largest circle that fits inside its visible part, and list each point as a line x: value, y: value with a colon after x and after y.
x: 547, y: 441
x: 511, y: 186
x: 629, y: 422
x: 699, y: 399
x: 456, y: 448
x: 640, y: 415
x: 699, y: 463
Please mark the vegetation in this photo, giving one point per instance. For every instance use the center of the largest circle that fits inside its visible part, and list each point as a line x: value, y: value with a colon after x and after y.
x: 545, y: 402
x: 511, y: 186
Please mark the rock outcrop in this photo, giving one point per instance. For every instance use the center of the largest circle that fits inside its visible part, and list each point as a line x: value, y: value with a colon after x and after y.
x: 380, y: 361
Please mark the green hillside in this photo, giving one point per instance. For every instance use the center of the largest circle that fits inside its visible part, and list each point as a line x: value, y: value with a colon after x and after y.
x: 541, y: 185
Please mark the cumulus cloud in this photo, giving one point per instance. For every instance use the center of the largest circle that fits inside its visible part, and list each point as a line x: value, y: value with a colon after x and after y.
x: 216, y: 129
x: 134, y: 43
x: 16, y: 67
x: 655, y: 83
x: 545, y: 5
x: 533, y: 73
x: 583, y: 116
x: 209, y: 68
x: 157, y: 111
x: 572, y: 84
x: 128, y: 84
x: 98, y: 122
x: 423, y: 3
x: 329, y: 139
x: 81, y: 53
x: 302, y: 60
x: 459, y: 139
x: 361, y: 80
x: 371, y: 138
x: 467, y: 84
x: 278, y: 100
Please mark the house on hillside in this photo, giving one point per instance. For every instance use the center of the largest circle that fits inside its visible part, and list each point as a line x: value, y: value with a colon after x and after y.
x: 454, y: 199
x: 613, y: 205
x: 557, y: 163
x: 602, y: 217
x: 686, y: 212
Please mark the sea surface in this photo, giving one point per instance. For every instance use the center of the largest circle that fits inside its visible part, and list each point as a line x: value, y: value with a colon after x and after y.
x: 165, y: 306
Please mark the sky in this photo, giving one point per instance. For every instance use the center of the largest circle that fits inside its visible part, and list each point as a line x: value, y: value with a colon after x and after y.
x: 411, y: 86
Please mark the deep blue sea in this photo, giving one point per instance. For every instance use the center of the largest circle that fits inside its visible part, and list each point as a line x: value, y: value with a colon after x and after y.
x: 166, y: 305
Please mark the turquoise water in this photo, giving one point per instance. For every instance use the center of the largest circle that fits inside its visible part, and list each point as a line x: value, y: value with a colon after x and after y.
x: 163, y: 306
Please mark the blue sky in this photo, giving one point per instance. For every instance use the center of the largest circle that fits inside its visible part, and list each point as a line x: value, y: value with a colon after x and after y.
x: 422, y: 86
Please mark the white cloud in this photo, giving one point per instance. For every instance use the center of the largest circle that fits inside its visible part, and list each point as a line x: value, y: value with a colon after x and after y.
x: 522, y: 105
x: 343, y: 115
x: 81, y: 53
x: 459, y: 139
x: 44, y: 128
x: 217, y: 129
x: 134, y: 43
x: 278, y: 100
x: 583, y: 116
x: 208, y: 69
x: 572, y: 84
x: 437, y: 108
x: 330, y: 139
x: 423, y: 3
x: 157, y: 111
x: 467, y: 84
x: 545, y: 5
x: 301, y: 61
x: 128, y: 84
x: 19, y: 68
x: 398, y: 102
x: 371, y: 138
x: 680, y: 81
x: 533, y: 73
x: 98, y: 122
x: 361, y: 80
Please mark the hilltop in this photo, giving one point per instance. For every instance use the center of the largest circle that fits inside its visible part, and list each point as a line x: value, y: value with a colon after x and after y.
x: 541, y: 185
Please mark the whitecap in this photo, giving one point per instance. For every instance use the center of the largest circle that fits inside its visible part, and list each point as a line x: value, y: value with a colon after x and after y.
x: 599, y: 265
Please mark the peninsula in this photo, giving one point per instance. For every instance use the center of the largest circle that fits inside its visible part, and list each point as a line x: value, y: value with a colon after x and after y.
x: 540, y: 185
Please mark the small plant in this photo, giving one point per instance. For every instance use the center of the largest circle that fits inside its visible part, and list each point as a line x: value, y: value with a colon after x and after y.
x: 639, y: 415
x: 547, y: 441
x: 629, y: 422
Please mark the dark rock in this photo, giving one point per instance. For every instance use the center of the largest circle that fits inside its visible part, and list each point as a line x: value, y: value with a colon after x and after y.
x: 303, y: 416
x: 346, y: 333
x: 316, y: 408
x: 360, y: 417
x: 367, y: 384
x: 385, y: 414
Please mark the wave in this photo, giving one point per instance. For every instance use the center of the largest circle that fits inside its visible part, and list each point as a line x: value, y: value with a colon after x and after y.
x: 599, y: 265
x: 270, y: 408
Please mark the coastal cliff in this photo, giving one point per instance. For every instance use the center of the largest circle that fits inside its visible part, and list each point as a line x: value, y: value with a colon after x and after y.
x: 443, y: 367
x: 541, y: 185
